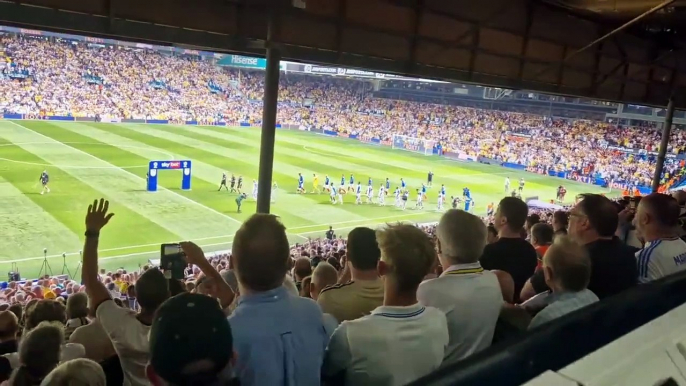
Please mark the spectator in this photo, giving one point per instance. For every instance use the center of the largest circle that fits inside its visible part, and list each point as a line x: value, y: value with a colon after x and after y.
x: 401, y: 340
x: 77, y: 372
x: 77, y: 312
x: 127, y: 330
x: 567, y: 270
x: 17, y: 310
x: 657, y: 222
x: 301, y: 270
x: 593, y: 222
x: 511, y: 253
x: 365, y: 292
x: 463, y: 285
x: 279, y: 338
x: 560, y: 222
x: 541, y: 238
x: 9, y: 328
x: 531, y: 220
x: 324, y: 275
x: 39, y: 353
x: 190, y: 343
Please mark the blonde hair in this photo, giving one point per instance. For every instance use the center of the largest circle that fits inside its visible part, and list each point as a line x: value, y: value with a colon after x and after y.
x: 570, y: 264
x: 462, y: 236
x: 76, y: 372
x: 408, y: 252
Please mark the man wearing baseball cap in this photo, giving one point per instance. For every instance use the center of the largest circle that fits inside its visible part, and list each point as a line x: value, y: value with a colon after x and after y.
x: 190, y: 343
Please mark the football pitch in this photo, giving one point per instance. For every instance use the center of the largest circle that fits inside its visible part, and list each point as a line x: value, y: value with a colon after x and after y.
x: 92, y: 160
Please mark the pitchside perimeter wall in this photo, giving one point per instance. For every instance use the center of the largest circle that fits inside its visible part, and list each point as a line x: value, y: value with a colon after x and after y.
x: 594, y: 180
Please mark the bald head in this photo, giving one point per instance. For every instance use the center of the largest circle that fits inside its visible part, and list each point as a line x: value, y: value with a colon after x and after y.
x: 261, y: 252
x: 323, y: 276
x: 461, y: 237
x: 9, y: 325
x: 567, y: 266
x: 662, y: 209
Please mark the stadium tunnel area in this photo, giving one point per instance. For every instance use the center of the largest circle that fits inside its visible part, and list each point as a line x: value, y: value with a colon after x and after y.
x: 631, y: 54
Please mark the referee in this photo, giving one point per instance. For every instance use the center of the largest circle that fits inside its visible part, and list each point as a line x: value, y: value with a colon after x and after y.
x: 429, y: 178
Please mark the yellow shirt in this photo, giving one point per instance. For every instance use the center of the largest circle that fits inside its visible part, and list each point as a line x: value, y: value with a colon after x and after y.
x: 315, y: 181
x: 351, y: 300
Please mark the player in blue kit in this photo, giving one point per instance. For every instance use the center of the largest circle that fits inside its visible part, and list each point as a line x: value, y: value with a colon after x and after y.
x: 423, y: 191
x: 358, y: 194
x: 301, y: 184
x: 468, y: 204
x: 351, y: 185
x: 466, y: 193
x: 327, y: 183
x: 388, y: 185
x: 369, y: 181
x: 403, y: 185
x: 44, y: 179
x: 342, y: 181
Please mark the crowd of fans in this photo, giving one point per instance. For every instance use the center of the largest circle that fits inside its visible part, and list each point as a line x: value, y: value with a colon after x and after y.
x: 380, y: 307
x: 45, y: 76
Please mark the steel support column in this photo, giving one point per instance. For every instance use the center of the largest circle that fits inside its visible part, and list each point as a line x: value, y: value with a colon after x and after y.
x: 662, y: 153
x: 271, y: 95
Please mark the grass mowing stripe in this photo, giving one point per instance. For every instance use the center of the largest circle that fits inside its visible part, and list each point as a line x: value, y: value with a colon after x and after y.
x: 305, y: 208
x: 27, y: 228
x: 204, y: 190
x: 168, y: 209
x: 208, y: 164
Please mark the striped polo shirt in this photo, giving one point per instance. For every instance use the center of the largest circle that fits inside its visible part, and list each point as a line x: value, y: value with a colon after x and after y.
x: 391, y: 346
x: 660, y: 258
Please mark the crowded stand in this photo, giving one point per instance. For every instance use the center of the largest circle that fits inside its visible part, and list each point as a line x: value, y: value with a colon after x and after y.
x: 42, y: 76
x: 328, y: 311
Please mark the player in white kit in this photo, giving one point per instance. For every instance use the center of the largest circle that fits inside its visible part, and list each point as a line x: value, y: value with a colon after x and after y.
x: 275, y: 187
x: 441, y: 197
x: 398, y: 197
x: 507, y: 185
x: 341, y: 190
x: 382, y: 195
x: 420, y: 200
x: 332, y: 193
x: 254, y: 189
x: 358, y: 194
x: 370, y: 194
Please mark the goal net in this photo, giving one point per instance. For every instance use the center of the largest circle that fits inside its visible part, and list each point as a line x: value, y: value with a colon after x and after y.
x: 417, y: 145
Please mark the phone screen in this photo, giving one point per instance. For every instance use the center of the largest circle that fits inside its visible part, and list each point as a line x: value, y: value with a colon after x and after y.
x: 172, y: 261
x: 632, y: 204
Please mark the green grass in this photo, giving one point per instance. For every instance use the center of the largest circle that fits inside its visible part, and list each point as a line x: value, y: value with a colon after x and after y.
x: 91, y: 160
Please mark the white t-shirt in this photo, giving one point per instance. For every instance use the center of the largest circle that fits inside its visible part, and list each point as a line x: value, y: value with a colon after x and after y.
x: 130, y: 340
x: 391, y: 346
x: 95, y: 340
x: 471, y: 300
x: 661, y: 258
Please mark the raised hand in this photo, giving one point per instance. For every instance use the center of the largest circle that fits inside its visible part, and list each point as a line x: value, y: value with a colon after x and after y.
x: 97, y: 216
x: 194, y: 254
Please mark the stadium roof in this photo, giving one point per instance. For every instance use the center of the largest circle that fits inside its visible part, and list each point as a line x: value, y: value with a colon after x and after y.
x: 555, y: 46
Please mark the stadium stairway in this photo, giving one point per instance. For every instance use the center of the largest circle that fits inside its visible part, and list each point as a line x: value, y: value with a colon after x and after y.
x: 636, y: 338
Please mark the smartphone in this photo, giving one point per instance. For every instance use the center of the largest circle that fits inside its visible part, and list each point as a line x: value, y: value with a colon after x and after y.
x: 172, y: 261
x: 632, y: 203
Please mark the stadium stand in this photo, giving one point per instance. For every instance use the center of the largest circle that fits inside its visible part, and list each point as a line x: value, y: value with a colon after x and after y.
x: 144, y: 328
x: 43, y: 77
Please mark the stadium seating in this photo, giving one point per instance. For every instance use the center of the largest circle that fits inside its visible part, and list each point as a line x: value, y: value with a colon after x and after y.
x: 44, y: 76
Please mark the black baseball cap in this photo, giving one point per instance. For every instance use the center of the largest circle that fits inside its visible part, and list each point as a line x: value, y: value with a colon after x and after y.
x: 190, y: 329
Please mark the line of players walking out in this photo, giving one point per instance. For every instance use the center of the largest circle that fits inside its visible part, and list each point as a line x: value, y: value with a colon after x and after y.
x: 401, y: 192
